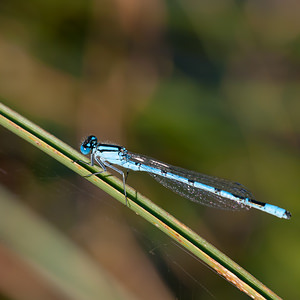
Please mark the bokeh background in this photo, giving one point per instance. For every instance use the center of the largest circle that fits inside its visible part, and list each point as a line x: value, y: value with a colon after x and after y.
x: 211, y: 86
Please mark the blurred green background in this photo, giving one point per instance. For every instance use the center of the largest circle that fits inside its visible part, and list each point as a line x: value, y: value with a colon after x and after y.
x: 211, y: 86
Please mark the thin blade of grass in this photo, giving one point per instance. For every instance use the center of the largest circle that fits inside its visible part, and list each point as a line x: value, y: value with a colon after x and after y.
x: 46, y: 251
x: 141, y: 205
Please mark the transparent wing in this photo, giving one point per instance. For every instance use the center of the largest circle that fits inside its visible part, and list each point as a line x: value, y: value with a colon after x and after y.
x: 193, y: 193
x: 198, y: 195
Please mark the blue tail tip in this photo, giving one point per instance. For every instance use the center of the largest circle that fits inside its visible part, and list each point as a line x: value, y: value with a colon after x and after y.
x: 287, y: 215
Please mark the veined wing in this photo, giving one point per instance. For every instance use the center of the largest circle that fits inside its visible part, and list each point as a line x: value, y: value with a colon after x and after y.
x: 193, y: 193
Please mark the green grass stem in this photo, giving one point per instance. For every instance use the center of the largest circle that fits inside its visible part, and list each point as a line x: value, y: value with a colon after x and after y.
x: 141, y: 205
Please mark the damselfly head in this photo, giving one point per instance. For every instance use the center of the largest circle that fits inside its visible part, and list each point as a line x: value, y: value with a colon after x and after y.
x: 89, y: 143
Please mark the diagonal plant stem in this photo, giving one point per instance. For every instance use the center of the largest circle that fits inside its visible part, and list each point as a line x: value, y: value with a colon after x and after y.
x: 43, y: 250
x: 141, y: 205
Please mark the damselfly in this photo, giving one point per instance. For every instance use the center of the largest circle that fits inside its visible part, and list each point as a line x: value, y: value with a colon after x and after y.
x: 204, y: 189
